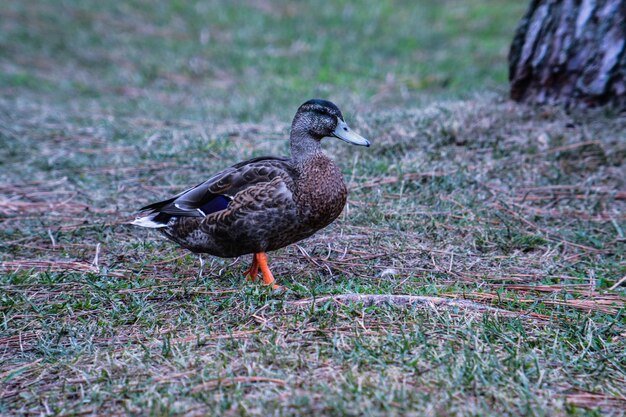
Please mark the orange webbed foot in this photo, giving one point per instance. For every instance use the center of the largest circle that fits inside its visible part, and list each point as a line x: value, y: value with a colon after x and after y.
x: 268, y: 278
x: 253, y: 271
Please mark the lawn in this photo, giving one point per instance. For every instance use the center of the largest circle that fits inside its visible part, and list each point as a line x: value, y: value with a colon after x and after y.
x: 510, y: 217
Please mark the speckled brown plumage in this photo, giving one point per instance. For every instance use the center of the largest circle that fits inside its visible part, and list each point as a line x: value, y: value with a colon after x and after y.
x: 265, y: 203
x: 320, y: 192
x: 270, y: 215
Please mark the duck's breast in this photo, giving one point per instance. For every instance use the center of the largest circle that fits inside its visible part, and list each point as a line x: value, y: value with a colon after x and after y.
x: 320, y: 192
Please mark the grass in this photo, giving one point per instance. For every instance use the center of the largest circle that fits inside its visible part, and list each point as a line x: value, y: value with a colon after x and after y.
x: 463, y: 195
x: 250, y: 60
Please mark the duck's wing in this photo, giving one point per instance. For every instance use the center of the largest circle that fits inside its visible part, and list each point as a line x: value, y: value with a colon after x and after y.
x: 216, y: 193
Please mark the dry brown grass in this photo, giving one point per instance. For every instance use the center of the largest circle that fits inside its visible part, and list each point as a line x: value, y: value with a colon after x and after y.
x: 480, y: 204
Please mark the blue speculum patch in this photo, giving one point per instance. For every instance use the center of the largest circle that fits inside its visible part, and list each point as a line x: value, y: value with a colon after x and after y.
x: 218, y: 203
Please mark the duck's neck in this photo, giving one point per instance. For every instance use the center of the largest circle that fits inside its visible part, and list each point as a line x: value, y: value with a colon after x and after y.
x: 303, y: 146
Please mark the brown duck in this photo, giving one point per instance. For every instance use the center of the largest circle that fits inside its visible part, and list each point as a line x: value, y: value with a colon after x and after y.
x: 265, y: 203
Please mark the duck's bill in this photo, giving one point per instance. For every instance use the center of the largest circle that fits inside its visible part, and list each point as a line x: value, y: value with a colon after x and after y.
x: 344, y: 133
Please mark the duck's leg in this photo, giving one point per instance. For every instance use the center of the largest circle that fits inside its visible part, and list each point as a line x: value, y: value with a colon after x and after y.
x: 253, y: 271
x: 268, y: 278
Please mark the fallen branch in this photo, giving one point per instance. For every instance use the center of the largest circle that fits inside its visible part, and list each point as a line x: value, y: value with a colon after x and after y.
x: 369, y: 300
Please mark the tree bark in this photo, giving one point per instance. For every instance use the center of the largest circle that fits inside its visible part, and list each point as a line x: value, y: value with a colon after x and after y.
x: 570, y: 52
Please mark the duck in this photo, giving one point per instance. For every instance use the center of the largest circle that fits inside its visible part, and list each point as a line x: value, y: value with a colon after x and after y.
x: 265, y: 203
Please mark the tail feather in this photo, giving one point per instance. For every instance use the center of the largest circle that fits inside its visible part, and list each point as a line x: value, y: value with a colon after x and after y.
x: 153, y: 220
x: 159, y: 204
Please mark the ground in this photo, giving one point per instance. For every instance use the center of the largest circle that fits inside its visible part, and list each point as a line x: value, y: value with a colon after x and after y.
x: 514, y: 214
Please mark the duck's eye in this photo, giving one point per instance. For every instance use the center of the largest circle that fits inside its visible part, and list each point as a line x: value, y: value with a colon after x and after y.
x: 345, y: 128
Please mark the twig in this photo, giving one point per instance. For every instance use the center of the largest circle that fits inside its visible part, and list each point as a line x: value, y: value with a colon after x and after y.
x: 96, y: 258
x: 46, y: 265
x: 618, y: 283
x: 549, y: 235
x: 404, y: 300
x: 591, y: 400
x: 412, y: 176
x: 19, y: 368
x: 224, y: 382
x: 572, y: 146
x: 51, y: 236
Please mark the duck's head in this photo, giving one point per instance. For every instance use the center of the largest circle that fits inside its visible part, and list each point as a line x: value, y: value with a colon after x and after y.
x: 319, y: 119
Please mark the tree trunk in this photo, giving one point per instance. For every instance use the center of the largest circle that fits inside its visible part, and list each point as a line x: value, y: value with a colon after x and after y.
x: 570, y: 52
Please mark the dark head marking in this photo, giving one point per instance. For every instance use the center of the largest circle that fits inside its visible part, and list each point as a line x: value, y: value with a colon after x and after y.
x: 320, y: 106
x: 316, y: 118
